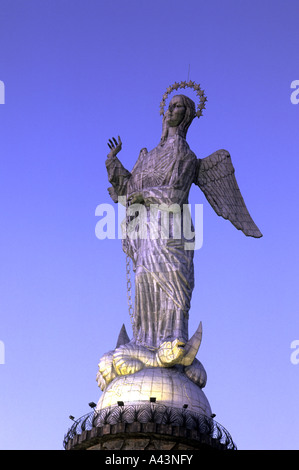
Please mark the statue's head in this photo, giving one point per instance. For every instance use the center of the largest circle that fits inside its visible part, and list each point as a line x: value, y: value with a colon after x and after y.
x: 180, y: 114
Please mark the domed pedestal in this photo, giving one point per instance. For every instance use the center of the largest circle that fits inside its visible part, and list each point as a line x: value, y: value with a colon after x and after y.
x: 153, y: 409
x: 169, y: 386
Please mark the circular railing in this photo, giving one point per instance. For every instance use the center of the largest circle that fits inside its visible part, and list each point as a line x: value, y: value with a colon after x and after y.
x: 151, y: 413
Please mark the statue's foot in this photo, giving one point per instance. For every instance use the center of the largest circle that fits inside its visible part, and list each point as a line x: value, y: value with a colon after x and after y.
x: 196, y: 372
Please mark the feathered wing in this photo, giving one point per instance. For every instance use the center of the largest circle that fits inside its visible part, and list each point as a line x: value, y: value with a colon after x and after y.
x: 216, y: 178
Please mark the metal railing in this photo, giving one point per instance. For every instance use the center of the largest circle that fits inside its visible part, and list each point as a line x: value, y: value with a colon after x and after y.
x: 151, y: 413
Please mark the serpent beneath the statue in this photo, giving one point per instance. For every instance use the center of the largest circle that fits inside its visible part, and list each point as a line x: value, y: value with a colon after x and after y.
x: 131, y: 357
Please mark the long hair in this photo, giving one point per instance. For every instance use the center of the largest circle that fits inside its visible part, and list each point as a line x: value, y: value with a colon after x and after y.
x: 189, y: 115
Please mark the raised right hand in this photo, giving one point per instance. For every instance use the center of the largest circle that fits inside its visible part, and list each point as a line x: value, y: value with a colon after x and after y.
x: 114, y: 146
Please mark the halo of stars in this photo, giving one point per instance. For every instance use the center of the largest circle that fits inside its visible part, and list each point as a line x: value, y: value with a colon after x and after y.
x: 190, y: 84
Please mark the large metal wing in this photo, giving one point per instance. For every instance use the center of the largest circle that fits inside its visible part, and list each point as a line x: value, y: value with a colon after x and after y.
x: 216, y: 178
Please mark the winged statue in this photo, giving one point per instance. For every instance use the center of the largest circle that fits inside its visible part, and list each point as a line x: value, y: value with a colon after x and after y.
x: 164, y: 271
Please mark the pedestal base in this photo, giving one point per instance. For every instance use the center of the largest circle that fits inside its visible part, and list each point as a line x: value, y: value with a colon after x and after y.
x: 144, y: 437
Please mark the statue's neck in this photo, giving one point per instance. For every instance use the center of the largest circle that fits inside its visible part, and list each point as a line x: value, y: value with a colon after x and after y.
x: 172, y: 132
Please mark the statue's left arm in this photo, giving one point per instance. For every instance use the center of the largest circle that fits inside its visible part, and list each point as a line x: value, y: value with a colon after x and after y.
x: 216, y: 178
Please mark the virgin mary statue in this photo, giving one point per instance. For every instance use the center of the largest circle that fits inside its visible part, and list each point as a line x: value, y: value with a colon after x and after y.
x: 164, y: 274
x: 161, y: 179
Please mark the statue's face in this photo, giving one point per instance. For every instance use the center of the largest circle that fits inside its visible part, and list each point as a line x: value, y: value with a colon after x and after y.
x: 176, y: 111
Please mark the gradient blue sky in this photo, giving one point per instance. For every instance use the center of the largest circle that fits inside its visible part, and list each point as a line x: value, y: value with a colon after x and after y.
x: 76, y: 73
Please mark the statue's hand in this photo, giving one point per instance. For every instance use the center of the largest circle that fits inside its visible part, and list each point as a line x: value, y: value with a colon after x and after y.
x: 114, y: 146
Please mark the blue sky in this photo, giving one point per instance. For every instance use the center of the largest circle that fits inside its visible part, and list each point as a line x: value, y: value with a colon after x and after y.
x: 78, y: 72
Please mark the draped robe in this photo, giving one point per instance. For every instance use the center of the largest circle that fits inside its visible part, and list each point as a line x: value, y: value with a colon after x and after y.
x: 164, y: 271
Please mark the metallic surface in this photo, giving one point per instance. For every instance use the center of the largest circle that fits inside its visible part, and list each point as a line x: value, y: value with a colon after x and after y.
x: 170, y: 387
x: 159, y: 361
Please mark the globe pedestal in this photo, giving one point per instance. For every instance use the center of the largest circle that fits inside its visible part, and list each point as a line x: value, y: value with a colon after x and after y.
x: 166, y: 386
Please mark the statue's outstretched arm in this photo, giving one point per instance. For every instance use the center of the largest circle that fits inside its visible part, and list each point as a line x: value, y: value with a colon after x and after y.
x: 216, y: 178
x: 118, y: 176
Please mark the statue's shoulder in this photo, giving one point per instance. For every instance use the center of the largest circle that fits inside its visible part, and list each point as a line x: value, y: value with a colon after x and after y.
x: 143, y: 152
x: 185, y: 149
x: 187, y: 153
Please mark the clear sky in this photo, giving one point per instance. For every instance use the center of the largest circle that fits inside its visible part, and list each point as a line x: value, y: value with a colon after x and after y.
x: 78, y: 72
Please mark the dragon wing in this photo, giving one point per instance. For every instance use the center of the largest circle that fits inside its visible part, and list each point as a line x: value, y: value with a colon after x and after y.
x: 216, y: 178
